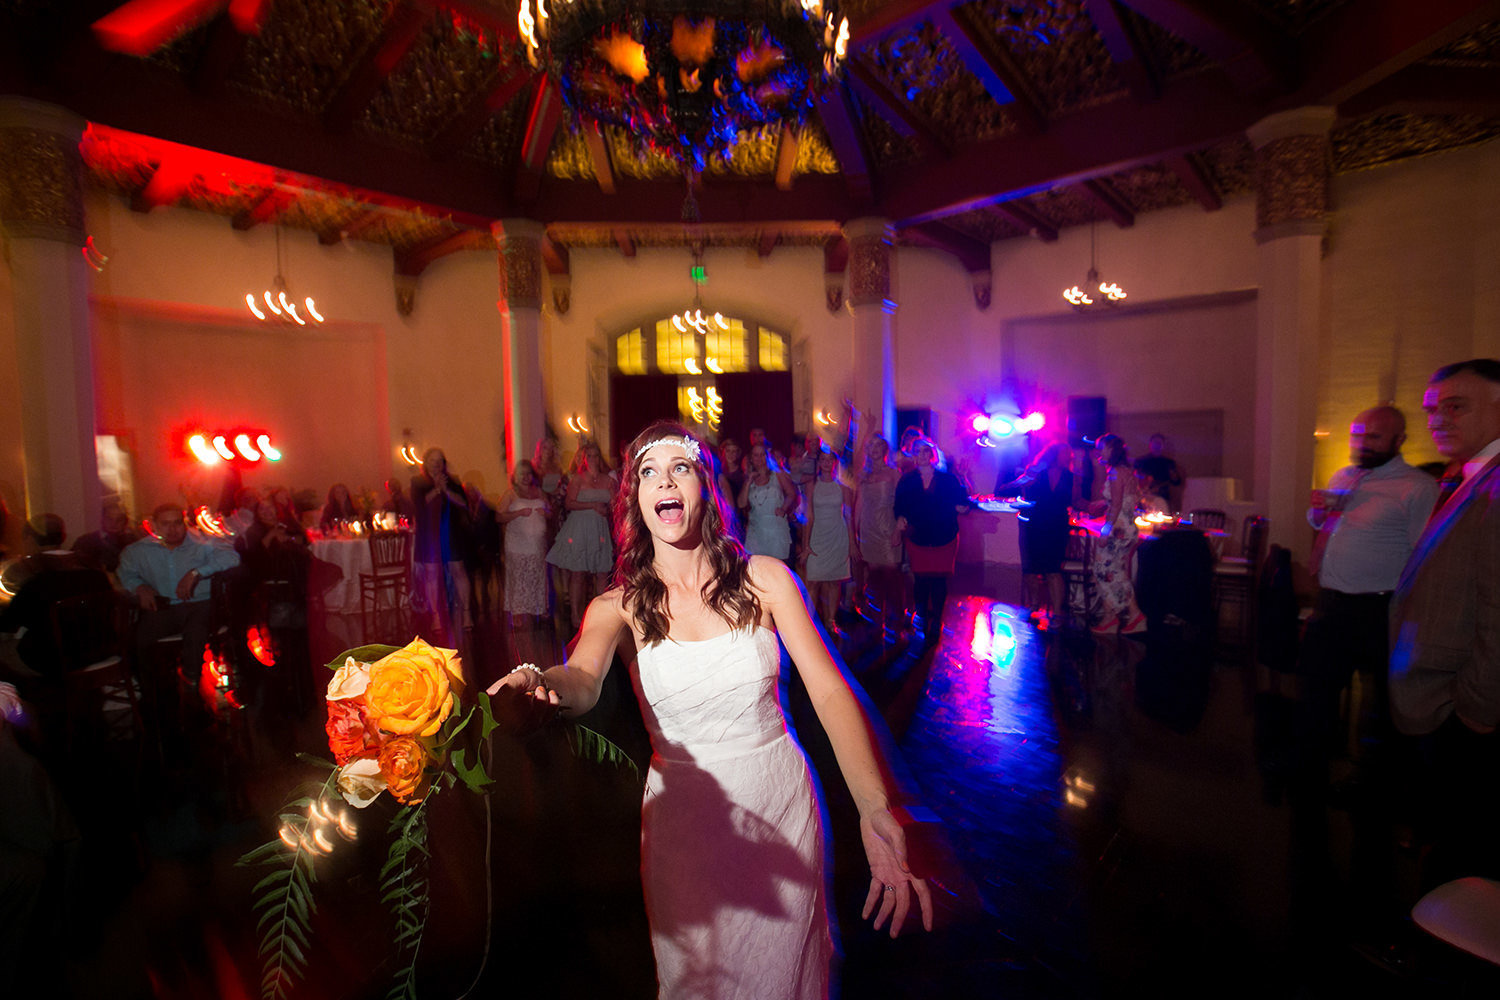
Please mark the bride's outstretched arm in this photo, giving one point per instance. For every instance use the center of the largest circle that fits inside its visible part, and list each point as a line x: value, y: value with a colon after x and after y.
x: 574, y: 686
x: 892, y: 883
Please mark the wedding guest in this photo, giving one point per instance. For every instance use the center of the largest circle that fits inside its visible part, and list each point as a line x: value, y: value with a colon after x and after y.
x: 828, y: 541
x: 708, y: 622
x: 339, y: 509
x: 523, y: 512
x: 1159, y: 472
x: 169, y: 575
x: 1115, y: 608
x: 243, y: 515
x: 928, y: 502
x: 768, y: 495
x: 1048, y: 487
x: 877, y: 552
x: 397, y: 502
x: 732, y: 479
x: 53, y: 574
x: 583, y: 546
x: 101, y: 549
x: 553, y: 482
x: 442, y: 530
x: 482, y: 550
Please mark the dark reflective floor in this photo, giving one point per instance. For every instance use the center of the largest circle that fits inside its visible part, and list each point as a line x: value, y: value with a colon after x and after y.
x: 1103, y: 818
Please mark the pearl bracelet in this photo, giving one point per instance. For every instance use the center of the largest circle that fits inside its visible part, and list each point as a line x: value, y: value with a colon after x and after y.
x: 540, y: 674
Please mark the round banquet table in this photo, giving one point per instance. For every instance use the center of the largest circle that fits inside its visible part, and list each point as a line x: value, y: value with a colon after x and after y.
x: 352, y: 555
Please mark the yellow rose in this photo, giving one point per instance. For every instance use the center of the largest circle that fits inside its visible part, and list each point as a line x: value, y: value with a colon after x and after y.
x: 403, y: 764
x: 412, y: 691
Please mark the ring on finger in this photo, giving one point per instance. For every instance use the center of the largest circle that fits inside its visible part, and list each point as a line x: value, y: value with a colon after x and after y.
x: 889, y: 887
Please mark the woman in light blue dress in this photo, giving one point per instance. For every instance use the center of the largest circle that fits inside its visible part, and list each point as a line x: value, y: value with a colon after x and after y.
x: 769, y: 495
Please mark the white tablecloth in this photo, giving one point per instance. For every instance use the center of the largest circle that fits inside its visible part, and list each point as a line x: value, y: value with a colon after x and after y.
x: 992, y: 537
x: 352, y: 555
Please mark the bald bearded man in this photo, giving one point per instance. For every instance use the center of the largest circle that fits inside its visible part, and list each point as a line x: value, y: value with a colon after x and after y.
x: 1368, y: 520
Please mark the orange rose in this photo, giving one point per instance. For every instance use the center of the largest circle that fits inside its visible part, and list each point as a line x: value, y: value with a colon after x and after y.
x: 350, y: 731
x: 403, y: 765
x: 413, y: 690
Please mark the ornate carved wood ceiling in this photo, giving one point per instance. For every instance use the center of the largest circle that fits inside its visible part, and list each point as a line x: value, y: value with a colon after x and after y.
x: 418, y: 122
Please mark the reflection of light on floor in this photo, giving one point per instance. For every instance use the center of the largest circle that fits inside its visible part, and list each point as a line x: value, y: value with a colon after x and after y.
x: 986, y: 687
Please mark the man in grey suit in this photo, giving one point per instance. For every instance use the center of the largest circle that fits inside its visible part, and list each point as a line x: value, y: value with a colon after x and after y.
x: 1445, y: 627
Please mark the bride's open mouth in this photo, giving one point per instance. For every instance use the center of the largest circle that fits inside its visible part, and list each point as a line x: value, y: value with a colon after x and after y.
x: 670, y: 511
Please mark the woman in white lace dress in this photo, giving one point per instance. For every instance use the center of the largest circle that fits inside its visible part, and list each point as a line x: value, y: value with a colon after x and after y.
x: 523, y: 512
x: 732, y: 852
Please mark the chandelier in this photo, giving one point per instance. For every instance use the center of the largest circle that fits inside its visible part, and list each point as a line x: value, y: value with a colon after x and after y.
x: 1107, y: 294
x: 686, y: 77
x: 278, y: 305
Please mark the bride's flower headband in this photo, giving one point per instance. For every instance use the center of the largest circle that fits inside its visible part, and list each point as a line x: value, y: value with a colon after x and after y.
x: 687, y: 444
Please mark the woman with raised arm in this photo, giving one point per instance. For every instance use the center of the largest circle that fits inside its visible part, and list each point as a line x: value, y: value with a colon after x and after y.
x: 732, y: 851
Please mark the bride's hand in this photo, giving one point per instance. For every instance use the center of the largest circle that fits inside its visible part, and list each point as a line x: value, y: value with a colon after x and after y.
x: 531, y: 701
x: 891, y: 881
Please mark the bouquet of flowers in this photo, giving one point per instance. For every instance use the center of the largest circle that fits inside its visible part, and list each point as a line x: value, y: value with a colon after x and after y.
x: 395, y: 717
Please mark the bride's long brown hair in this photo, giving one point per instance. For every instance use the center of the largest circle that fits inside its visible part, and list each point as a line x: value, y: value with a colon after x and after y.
x: 727, y: 593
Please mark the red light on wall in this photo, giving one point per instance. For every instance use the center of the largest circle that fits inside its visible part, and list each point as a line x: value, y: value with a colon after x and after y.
x: 250, y: 447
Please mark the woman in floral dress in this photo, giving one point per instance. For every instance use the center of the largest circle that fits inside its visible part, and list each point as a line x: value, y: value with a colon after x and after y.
x: 1114, y: 589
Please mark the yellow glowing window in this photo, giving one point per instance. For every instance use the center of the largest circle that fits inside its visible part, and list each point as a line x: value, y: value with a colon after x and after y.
x: 772, y: 351
x: 726, y: 349
x: 676, y: 351
x: 630, y: 353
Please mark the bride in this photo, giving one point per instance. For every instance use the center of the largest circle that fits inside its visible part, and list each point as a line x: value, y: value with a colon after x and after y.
x: 732, y: 840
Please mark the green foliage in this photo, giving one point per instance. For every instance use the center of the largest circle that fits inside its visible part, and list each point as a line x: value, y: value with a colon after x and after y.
x: 364, y: 654
x: 404, y: 888
x: 283, y: 899
x: 589, y: 745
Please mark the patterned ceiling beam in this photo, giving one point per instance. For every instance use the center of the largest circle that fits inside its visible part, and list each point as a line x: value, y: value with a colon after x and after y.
x: 555, y: 256
x: 1125, y: 49
x: 1018, y: 214
x: 353, y: 229
x: 893, y: 16
x: 894, y: 108
x: 472, y: 119
x: 402, y: 25
x: 1431, y: 90
x: 987, y: 59
x: 1358, y: 45
x: 541, y: 125
x: 1109, y: 201
x: 1190, y: 171
x: 786, y: 157
x: 623, y: 241
x: 490, y: 14
x: 1092, y: 142
x: 267, y: 209
x: 140, y: 27
x: 1254, y: 56
x: 413, y: 260
x: 973, y: 254
x: 604, y: 170
x: 836, y: 110
x: 168, y: 182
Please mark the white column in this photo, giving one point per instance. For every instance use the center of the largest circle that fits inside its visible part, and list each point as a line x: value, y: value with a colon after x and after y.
x: 1293, y: 169
x: 41, y: 211
x: 869, y: 283
x: 521, y: 333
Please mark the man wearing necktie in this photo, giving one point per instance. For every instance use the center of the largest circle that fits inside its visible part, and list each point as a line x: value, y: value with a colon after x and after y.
x: 1445, y: 630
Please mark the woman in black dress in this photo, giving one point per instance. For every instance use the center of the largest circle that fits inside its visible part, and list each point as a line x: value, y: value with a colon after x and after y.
x: 1047, y: 486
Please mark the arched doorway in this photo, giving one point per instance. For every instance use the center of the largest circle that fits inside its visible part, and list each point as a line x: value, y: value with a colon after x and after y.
x: 721, y: 378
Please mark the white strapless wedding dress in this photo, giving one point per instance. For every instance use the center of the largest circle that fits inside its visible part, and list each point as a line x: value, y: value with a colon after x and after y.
x: 732, y: 840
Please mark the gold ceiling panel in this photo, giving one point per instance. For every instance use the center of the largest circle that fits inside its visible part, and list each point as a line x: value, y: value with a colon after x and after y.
x: 815, y: 152
x: 449, y: 67
x: 1379, y: 139
x: 1168, y: 54
x: 1150, y: 188
x: 497, y: 139
x: 201, y: 197
x: 569, y: 157
x: 922, y: 66
x: 983, y: 225
x: 581, y: 237
x: 305, y: 51
x: 1478, y: 49
x: 1058, y: 50
x: 887, y: 146
x: 631, y: 160
x: 407, y: 228
x: 1231, y: 165
x: 322, y: 212
x: 1063, y: 206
